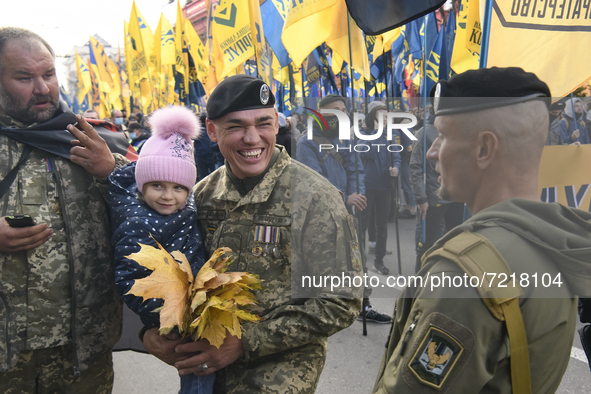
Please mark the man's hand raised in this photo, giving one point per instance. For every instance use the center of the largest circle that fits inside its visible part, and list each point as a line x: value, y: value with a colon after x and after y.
x: 90, y: 150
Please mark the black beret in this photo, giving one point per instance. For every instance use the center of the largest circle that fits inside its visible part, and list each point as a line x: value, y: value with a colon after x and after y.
x: 239, y: 93
x: 331, y: 98
x: 484, y: 88
x: 557, y: 106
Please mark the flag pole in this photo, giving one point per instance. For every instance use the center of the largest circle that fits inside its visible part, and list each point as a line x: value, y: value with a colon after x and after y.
x: 385, y: 78
x: 357, y: 212
x: 394, y: 180
x: 485, y: 34
x: 303, y: 89
x: 424, y: 220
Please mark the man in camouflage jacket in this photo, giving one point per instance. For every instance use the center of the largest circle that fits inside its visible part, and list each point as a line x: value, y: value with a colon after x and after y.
x: 262, y: 191
x: 60, y: 313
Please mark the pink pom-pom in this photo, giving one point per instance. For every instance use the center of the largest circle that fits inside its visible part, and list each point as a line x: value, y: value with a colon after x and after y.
x: 168, y: 121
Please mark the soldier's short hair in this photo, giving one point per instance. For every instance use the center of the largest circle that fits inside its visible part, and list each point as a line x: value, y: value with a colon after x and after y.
x: 18, y: 33
x: 134, y: 126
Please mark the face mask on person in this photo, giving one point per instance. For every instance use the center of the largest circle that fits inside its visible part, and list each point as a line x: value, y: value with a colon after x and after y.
x: 132, y: 136
x: 118, y: 121
x: 333, y: 127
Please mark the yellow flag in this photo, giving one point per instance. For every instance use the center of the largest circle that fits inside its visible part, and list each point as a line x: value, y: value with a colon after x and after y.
x: 258, y: 38
x: 137, y: 49
x: 161, y: 57
x: 280, y: 74
x: 389, y: 37
x: 308, y: 24
x: 473, y: 27
x: 115, y: 95
x: 95, y: 98
x: 84, y: 82
x: 337, y: 63
x: 181, y: 54
x: 297, y: 85
x: 197, y: 52
x: 378, y: 47
x: 139, y: 58
x: 167, y: 44
x: 132, y: 75
x: 125, y: 91
x: 463, y: 59
x: 98, y: 60
x: 232, y: 40
x: 145, y: 31
x: 549, y: 40
x: 155, y: 55
x: 338, y: 39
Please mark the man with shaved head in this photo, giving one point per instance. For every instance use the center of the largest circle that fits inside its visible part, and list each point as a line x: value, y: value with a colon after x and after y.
x: 481, y: 321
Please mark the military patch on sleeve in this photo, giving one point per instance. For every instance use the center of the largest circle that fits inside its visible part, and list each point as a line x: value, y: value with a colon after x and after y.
x: 355, y: 255
x: 435, y: 357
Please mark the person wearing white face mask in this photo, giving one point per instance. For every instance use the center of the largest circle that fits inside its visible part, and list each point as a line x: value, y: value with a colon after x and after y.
x: 117, y: 119
x: 137, y: 136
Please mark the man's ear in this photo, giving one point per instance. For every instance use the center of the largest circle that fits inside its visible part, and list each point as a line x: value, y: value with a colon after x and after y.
x: 488, y: 145
x: 276, y: 122
x: 210, y: 127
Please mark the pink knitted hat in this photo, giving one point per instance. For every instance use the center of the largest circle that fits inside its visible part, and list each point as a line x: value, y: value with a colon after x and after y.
x: 167, y: 155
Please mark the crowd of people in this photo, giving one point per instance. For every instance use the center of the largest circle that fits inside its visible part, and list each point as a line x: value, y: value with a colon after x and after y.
x: 64, y: 278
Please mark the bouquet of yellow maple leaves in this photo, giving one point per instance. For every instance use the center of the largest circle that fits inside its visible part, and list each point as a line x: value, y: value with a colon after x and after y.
x: 203, y: 306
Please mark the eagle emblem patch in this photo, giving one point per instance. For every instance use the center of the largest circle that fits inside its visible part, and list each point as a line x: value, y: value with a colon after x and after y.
x: 435, y: 357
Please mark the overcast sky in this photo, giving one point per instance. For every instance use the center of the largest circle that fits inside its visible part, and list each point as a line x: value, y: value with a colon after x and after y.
x: 68, y: 23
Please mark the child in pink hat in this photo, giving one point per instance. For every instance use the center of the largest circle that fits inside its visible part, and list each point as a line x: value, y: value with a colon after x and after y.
x: 152, y: 201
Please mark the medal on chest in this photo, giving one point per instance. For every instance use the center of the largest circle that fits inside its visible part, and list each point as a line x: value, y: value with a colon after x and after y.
x: 266, y: 240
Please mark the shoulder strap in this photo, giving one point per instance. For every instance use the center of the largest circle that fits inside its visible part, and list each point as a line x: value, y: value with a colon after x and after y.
x: 333, y: 152
x: 11, y: 176
x: 477, y: 256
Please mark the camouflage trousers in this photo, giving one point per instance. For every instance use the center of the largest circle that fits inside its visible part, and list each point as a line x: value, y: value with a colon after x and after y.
x: 50, y: 371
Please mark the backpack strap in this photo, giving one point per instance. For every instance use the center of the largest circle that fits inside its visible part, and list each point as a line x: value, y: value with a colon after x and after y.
x: 566, y: 121
x: 477, y: 256
x: 333, y: 152
x: 11, y: 176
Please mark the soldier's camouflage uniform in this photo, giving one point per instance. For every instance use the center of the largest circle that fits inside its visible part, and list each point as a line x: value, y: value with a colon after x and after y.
x: 286, y: 351
x: 60, y: 294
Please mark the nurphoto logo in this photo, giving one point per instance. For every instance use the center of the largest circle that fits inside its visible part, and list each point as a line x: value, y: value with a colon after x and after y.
x: 405, y: 122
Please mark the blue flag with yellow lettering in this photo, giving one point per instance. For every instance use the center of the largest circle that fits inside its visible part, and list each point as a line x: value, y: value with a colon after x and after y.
x: 328, y: 77
x: 273, y: 14
x: 450, y: 36
x: 398, y: 58
x: 436, y: 59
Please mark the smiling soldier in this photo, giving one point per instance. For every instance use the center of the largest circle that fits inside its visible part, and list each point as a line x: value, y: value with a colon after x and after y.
x: 280, y: 219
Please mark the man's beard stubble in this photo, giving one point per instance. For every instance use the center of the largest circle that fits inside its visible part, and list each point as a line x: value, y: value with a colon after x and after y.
x: 443, y: 194
x: 25, y: 113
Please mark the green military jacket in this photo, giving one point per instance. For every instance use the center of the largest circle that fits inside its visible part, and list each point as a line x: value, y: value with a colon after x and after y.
x: 445, y: 340
x: 286, y: 351
x: 95, y: 311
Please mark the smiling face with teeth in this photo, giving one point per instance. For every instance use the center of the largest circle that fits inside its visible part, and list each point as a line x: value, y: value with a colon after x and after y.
x: 246, y: 139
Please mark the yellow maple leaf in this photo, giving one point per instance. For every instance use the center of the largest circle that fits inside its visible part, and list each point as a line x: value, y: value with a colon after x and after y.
x: 215, y: 333
x: 168, y: 280
x: 207, y: 306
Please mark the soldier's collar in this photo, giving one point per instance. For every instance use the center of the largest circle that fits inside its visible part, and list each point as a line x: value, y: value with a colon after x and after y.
x: 247, y: 184
x: 8, y: 121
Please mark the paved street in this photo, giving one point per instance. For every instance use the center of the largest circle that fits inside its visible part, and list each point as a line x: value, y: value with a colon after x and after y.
x: 353, y: 360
